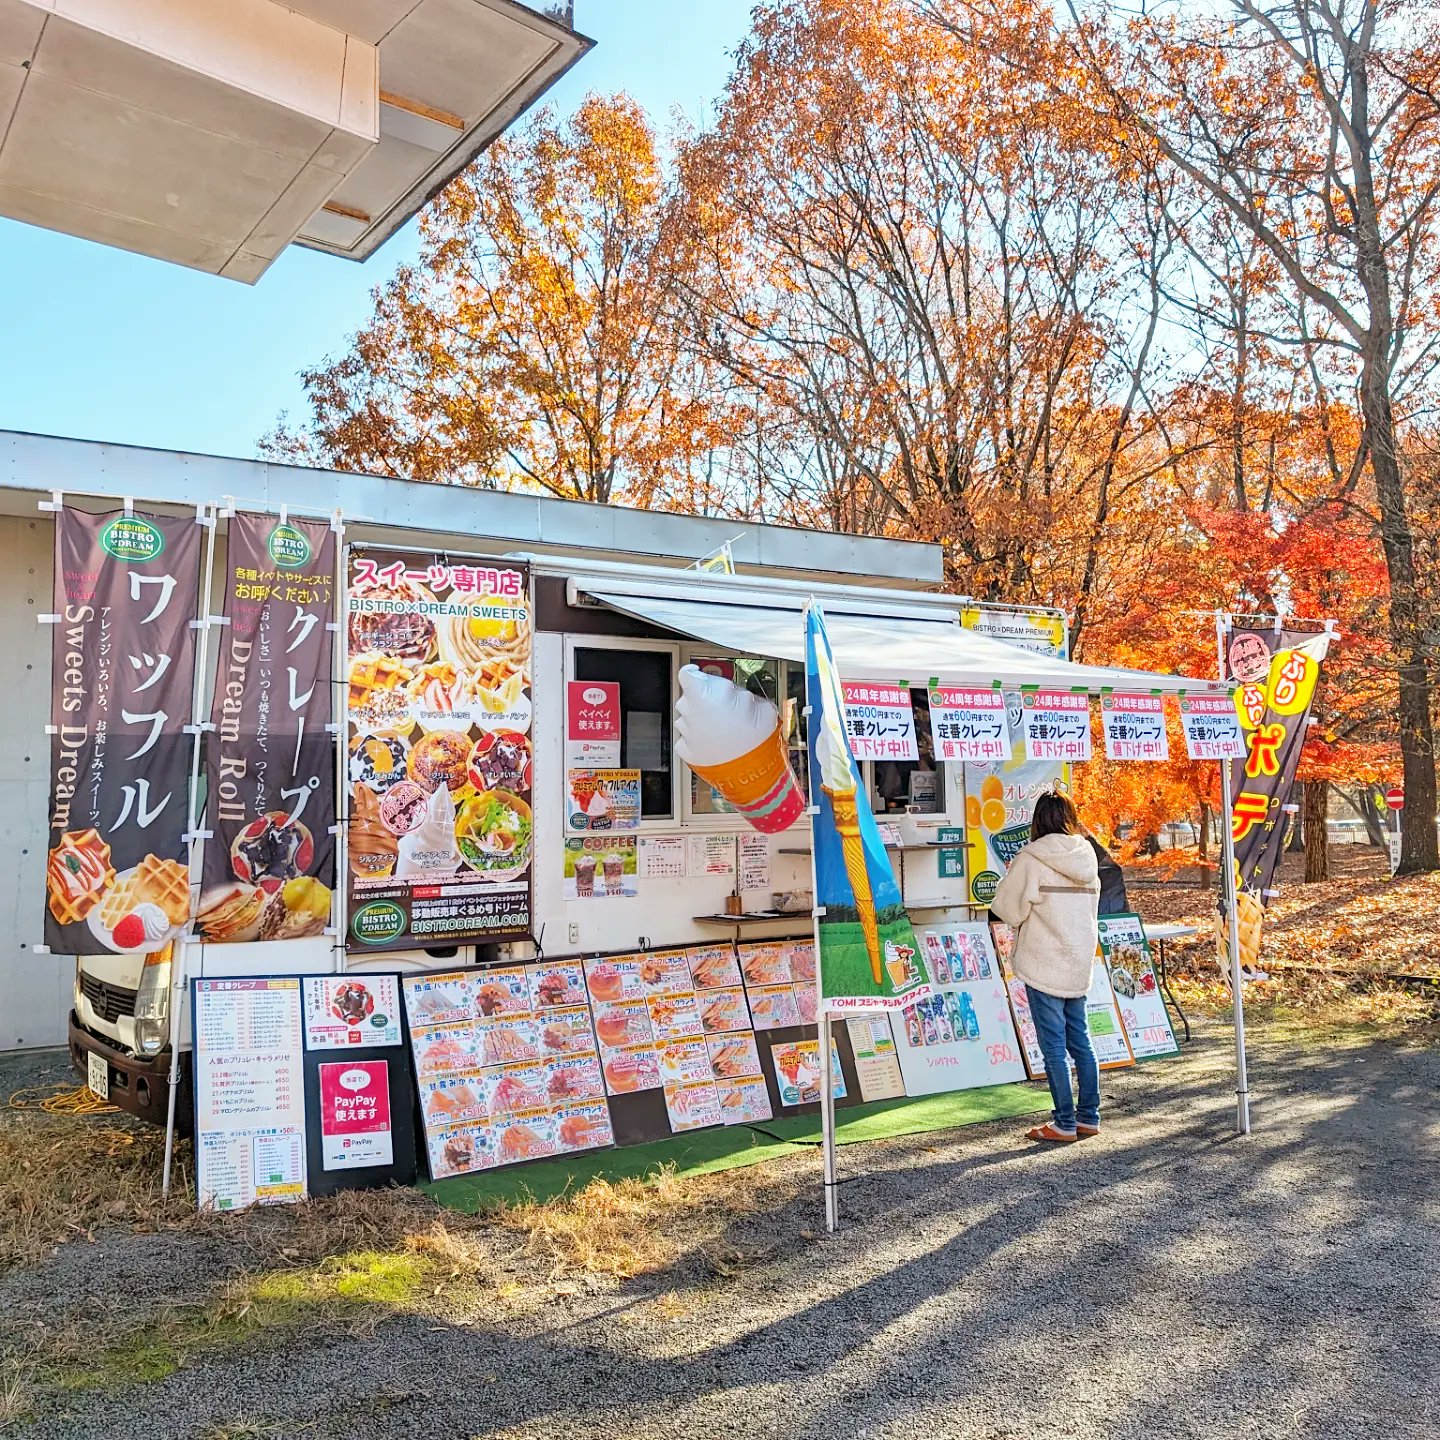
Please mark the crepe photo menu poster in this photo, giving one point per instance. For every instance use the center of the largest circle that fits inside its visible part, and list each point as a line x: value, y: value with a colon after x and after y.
x: 676, y: 1020
x: 249, y: 1093
x: 729, y: 1034
x: 1003, y: 938
x: 506, y: 1064
x: 1137, y: 991
x: 780, y: 982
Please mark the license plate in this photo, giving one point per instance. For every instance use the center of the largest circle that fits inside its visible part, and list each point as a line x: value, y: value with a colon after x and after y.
x: 98, y: 1078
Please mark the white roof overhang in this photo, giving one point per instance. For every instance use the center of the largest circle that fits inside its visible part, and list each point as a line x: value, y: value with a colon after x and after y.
x: 214, y: 135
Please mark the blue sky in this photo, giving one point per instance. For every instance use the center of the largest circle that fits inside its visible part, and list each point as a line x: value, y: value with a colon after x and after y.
x: 103, y: 345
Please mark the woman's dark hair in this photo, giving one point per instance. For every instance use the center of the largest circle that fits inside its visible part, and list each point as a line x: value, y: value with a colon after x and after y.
x: 1054, y: 815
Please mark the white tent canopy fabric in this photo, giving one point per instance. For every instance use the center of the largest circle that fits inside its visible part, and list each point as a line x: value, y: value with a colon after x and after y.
x: 917, y: 648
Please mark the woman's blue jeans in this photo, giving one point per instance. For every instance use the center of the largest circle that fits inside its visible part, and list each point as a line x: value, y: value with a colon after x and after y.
x: 1060, y: 1025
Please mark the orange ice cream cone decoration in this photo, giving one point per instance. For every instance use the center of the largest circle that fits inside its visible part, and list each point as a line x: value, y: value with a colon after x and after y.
x: 847, y: 823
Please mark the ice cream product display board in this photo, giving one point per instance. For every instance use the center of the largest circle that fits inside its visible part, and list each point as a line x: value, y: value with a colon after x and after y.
x: 507, y: 1065
x: 249, y: 1092
x: 1137, y: 991
x: 438, y: 778
x: 962, y: 1034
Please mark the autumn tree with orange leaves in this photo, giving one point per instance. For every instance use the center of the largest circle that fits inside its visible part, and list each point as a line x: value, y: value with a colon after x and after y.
x: 534, y: 342
x: 1096, y: 300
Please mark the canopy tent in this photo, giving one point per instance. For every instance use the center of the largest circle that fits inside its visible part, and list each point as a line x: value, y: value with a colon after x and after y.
x: 897, y: 636
x: 916, y: 642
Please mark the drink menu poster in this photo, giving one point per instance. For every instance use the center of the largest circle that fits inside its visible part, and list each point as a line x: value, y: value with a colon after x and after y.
x: 249, y: 1092
x: 506, y: 1064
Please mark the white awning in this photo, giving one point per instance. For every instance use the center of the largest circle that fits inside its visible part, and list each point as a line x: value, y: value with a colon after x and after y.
x: 914, y: 648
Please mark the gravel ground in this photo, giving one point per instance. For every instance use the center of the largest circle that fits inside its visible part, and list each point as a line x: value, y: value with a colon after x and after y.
x: 1166, y: 1280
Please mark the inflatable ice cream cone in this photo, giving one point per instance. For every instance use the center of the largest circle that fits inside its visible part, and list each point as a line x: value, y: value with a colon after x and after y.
x: 731, y: 739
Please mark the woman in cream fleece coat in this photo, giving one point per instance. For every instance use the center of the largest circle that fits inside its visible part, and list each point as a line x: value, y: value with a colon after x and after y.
x: 1051, y: 894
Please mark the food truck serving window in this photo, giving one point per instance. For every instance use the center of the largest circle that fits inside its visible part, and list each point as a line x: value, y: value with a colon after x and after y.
x: 646, y: 679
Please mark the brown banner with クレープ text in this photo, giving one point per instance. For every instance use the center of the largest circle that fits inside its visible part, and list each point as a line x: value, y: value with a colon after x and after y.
x: 269, y: 861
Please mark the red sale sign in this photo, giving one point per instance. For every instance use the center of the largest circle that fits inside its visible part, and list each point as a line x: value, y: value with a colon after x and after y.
x: 355, y: 1115
x: 592, y: 724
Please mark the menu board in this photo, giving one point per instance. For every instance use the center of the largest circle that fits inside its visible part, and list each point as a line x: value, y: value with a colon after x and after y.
x: 876, y: 1063
x: 438, y: 784
x: 961, y: 1035
x: 507, y: 1065
x: 780, y: 982
x: 249, y: 1093
x: 346, y: 1010
x: 1102, y: 1017
x: 677, y: 1021
x: 1132, y: 977
x: 729, y: 1034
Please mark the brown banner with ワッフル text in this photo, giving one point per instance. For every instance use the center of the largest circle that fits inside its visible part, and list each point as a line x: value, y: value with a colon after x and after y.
x: 126, y: 590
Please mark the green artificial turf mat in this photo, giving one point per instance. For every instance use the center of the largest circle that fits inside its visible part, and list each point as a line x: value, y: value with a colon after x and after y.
x: 705, y: 1151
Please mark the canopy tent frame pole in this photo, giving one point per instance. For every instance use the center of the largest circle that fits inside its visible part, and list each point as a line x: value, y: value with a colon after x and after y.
x: 1230, y: 890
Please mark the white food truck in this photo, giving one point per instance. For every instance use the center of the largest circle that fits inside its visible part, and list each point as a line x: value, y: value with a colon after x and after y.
x: 616, y: 599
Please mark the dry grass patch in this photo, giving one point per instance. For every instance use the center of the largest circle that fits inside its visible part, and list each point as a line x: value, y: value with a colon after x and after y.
x: 636, y: 1227
x: 64, y: 1176
x: 1312, y: 1006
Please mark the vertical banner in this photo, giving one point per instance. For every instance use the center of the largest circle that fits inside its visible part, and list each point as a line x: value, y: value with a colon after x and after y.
x: 1000, y: 795
x: 127, y: 588
x: 868, y: 956
x: 269, y: 864
x: 439, y: 758
x: 1134, y: 727
x: 1277, y: 674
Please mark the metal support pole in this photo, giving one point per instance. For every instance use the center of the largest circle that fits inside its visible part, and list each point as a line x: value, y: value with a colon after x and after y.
x: 829, y: 1182
x: 827, y: 1127
x: 1232, y: 915
x: 195, y: 857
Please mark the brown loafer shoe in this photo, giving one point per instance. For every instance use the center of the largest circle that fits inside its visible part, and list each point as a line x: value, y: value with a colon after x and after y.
x: 1052, y: 1133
